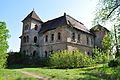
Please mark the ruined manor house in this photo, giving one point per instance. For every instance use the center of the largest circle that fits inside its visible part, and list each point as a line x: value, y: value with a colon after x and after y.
x: 63, y: 33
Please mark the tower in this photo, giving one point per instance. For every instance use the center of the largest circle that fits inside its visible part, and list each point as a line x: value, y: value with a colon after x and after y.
x: 99, y: 32
x: 29, y: 38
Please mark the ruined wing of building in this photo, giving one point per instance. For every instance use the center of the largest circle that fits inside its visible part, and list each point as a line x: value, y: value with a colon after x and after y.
x: 63, y: 33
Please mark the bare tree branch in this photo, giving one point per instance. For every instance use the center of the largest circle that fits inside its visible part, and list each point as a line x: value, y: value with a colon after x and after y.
x: 113, y: 10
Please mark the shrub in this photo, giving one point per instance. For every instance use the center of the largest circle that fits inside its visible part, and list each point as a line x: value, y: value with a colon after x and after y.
x: 114, y: 62
x: 17, y: 59
x: 99, y: 56
x: 69, y: 59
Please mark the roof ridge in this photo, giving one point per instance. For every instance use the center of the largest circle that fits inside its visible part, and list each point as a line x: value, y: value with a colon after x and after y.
x: 74, y: 19
x: 79, y: 22
x: 63, y: 20
x: 53, y: 19
x: 100, y: 26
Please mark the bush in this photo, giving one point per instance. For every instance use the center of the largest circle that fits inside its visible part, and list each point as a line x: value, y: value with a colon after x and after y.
x: 69, y: 59
x: 99, y: 56
x: 18, y: 59
x: 114, y: 62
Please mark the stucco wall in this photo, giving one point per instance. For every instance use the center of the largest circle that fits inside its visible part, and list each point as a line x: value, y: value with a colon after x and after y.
x: 30, y: 46
x: 66, y: 41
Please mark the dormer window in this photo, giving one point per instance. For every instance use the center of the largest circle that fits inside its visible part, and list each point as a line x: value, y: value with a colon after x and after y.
x: 36, y: 27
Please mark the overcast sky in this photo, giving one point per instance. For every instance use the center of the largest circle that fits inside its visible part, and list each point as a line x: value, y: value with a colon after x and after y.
x: 14, y: 11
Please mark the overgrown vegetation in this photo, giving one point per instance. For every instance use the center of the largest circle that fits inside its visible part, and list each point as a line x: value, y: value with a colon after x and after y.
x: 108, y: 12
x: 69, y: 59
x: 3, y: 44
x: 114, y: 63
x: 99, y: 72
x: 99, y: 56
x: 19, y: 60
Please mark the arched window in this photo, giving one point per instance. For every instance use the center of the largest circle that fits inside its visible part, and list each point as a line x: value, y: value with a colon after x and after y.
x: 88, y: 53
x: 78, y: 37
x: 34, y: 53
x: 59, y: 36
x: 36, y: 27
x: 46, y: 38
x: 27, y: 39
x: 92, y: 41
x: 24, y: 39
x: 87, y: 40
x: 46, y: 54
x: 35, y: 39
x: 73, y: 36
x: 52, y: 37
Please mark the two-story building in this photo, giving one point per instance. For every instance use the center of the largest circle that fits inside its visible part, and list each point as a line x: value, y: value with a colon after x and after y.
x: 63, y: 33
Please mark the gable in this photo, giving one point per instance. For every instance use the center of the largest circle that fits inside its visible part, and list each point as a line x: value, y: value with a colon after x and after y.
x: 32, y: 15
x: 98, y: 28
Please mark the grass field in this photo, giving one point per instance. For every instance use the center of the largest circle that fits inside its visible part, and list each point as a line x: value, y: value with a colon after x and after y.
x: 99, y: 72
x: 7, y: 74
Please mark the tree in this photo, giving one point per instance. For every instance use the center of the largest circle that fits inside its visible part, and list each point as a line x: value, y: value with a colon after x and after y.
x: 109, y: 11
x: 107, y: 42
x: 3, y: 44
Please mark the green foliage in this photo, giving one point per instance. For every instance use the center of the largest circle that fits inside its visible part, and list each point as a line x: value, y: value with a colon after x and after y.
x: 107, y: 10
x: 114, y: 62
x: 18, y: 60
x: 109, y: 73
x: 107, y: 42
x: 100, y: 56
x: 69, y: 59
x: 3, y: 44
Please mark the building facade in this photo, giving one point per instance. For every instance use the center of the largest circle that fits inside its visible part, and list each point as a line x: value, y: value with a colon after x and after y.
x: 63, y: 33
